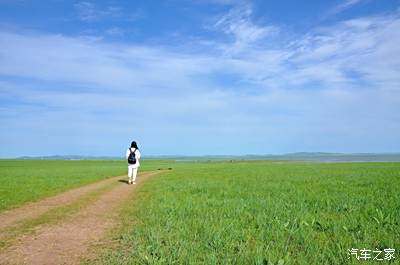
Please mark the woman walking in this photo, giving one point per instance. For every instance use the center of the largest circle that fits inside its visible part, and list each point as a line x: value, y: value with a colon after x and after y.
x: 133, y: 157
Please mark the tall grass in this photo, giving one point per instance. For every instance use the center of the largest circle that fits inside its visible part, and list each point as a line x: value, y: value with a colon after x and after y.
x: 260, y: 213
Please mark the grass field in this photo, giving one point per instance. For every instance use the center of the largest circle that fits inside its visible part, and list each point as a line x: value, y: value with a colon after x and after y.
x: 260, y: 213
x: 247, y: 212
x: 23, y: 181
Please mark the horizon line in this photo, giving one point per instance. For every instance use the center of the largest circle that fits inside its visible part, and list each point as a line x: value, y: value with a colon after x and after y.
x: 202, y: 155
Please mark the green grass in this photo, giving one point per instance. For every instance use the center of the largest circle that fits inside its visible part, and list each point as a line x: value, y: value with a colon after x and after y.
x: 23, y: 181
x: 260, y: 213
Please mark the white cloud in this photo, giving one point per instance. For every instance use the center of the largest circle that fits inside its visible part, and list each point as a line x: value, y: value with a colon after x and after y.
x: 87, y: 11
x: 346, y: 4
x: 237, y: 23
x: 337, y: 82
x: 361, y: 50
x: 341, y: 54
x: 219, y: 2
x: 95, y: 63
x: 115, y: 31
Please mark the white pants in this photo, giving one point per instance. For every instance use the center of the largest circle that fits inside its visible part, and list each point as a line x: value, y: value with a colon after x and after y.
x: 132, y: 172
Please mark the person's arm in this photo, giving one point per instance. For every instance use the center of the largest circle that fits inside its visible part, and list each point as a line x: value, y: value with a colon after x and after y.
x: 138, y: 154
x: 127, y: 154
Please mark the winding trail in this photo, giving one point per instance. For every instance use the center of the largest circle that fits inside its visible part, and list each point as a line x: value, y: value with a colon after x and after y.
x: 67, y: 241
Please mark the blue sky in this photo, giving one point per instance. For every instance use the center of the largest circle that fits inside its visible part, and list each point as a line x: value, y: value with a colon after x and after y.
x: 199, y: 77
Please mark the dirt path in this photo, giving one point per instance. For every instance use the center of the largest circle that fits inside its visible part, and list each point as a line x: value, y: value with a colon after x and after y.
x: 35, y: 209
x: 68, y: 241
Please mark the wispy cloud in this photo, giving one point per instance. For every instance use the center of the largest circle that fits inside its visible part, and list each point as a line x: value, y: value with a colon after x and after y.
x: 346, y: 4
x: 115, y: 31
x: 89, y: 12
x: 353, y: 49
x: 338, y: 53
x: 220, y: 2
x: 344, y: 75
x: 238, y: 24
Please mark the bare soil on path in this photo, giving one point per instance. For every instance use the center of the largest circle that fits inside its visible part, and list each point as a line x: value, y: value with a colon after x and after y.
x: 67, y: 241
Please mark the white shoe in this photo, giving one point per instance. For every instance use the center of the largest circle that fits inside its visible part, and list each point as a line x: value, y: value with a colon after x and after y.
x: 129, y: 182
x: 134, y: 183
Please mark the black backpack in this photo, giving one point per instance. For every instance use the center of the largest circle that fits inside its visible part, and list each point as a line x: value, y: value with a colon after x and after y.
x: 132, y: 157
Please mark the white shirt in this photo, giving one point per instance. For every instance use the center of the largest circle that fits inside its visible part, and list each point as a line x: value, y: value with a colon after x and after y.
x: 137, y: 155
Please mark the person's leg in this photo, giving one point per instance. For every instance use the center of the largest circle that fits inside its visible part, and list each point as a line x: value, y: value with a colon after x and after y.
x: 130, y: 173
x: 134, y: 174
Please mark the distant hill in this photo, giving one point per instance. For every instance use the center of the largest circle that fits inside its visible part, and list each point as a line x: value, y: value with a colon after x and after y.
x: 301, y: 156
x: 69, y: 157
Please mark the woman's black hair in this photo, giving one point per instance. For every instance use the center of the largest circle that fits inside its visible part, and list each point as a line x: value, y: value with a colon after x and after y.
x: 134, y: 145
